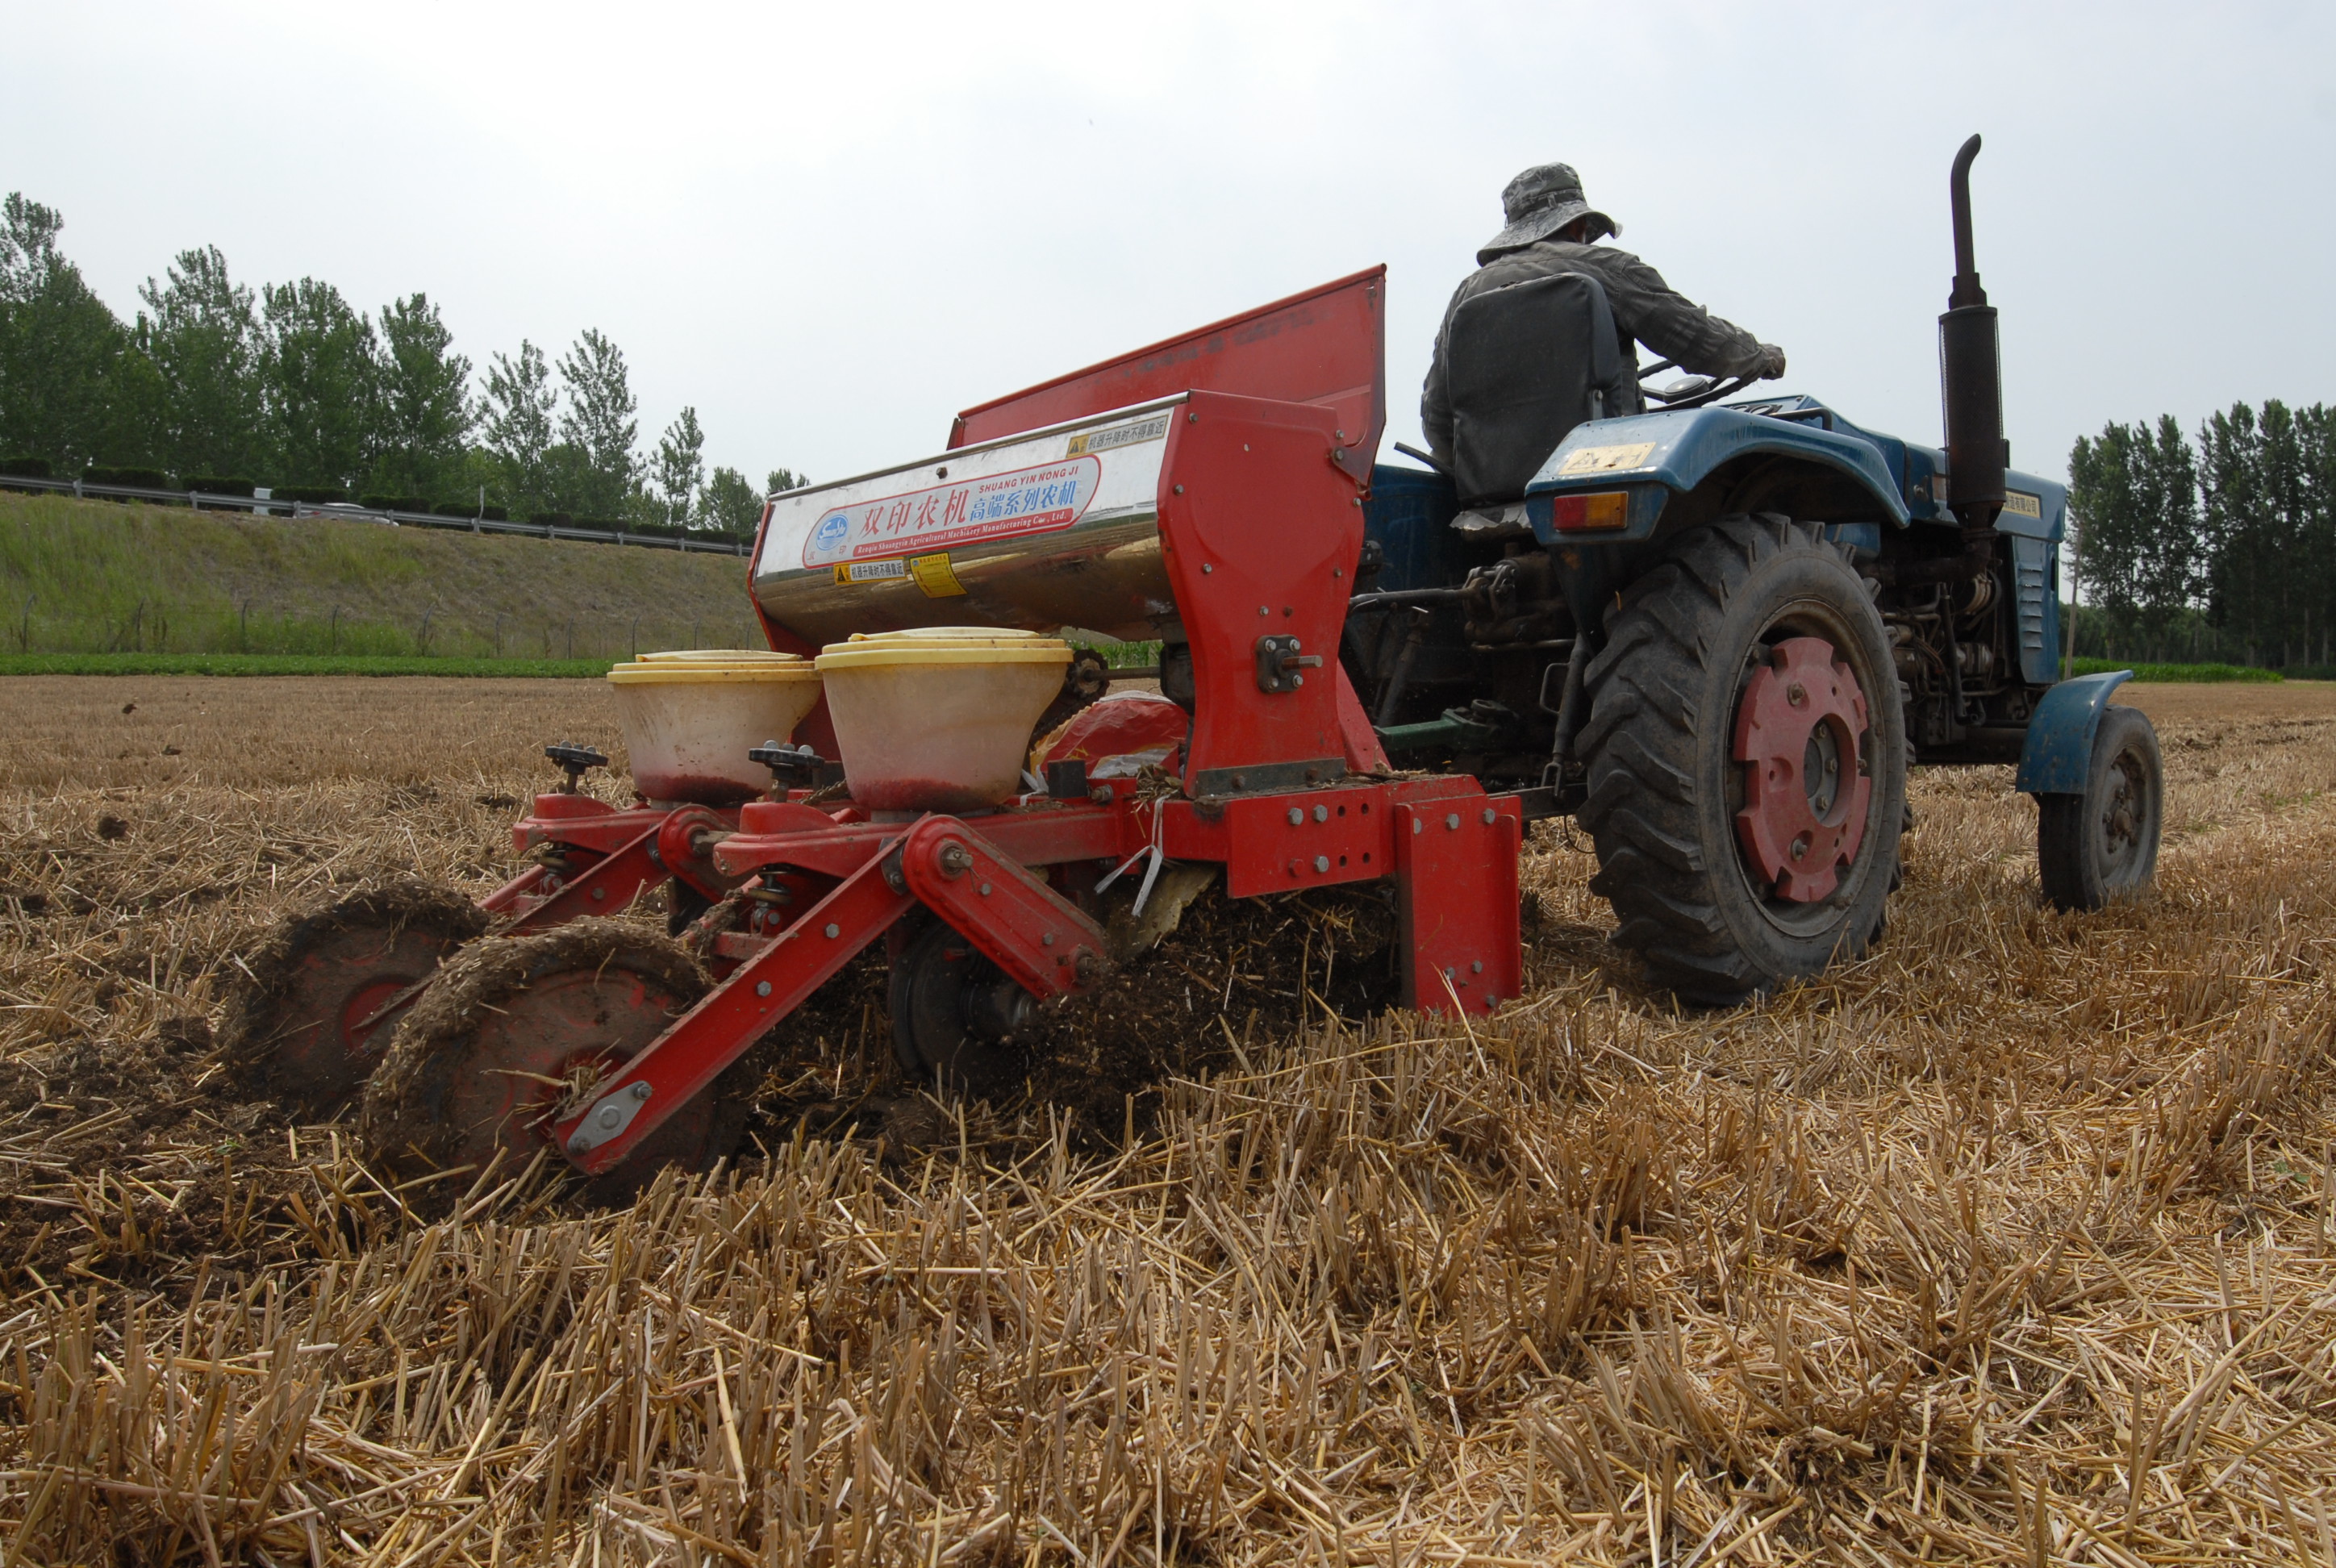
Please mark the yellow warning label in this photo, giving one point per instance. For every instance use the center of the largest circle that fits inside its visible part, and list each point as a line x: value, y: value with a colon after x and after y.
x: 1124, y: 435
x: 2023, y: 504
x: 1605, y: 459
x: 848, y: 572
x: 933, y: 575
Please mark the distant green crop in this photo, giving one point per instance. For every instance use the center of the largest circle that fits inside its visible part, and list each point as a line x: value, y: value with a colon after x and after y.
x: 2177, y: 674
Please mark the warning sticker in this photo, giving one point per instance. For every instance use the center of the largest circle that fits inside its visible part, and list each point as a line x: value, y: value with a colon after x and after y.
x: 2019, y: 503
x: 1606, y: 459
x: 848, y: 572
x: 983, y: 507
x: 933, y: 575
x: 1122, y: 435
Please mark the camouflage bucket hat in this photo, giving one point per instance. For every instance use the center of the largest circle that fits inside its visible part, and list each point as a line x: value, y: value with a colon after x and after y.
x: 1537, y: 204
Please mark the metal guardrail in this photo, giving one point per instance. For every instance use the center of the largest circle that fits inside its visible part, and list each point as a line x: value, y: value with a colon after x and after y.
x: 272, y: 506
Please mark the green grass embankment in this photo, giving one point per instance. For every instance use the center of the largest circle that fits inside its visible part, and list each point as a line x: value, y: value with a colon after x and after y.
x: 232, y: 664
x: 97, y: 578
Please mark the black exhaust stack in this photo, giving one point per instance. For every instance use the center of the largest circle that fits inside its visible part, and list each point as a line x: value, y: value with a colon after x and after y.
x: 1972, y: 384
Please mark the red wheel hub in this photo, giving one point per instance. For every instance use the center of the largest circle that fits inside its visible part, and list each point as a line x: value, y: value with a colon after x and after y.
x: 1799, y: 734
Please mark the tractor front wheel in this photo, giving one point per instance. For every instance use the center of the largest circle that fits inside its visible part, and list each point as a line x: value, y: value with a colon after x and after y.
x: 2102, y: 845
x: 1746, y: 761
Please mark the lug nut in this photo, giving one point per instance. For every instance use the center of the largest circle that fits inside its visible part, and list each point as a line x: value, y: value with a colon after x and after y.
x: 956, y: 859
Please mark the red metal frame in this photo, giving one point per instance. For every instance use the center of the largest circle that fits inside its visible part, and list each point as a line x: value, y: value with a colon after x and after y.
x: 1327, y: 346
x: 612, y: 855
x: 1451, y: 849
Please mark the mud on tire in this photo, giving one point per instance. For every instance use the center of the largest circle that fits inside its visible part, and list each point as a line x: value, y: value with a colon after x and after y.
x: 288, y: 1032
x: 478, y: 1065
x: 1684, y: 646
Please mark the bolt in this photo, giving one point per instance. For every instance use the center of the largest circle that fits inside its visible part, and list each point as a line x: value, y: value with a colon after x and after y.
x: 1207, y: 566
x: 1489, y: 815
x: 599, y: 893
x: 1047, y: 941
x: 956, y: 859
x: 762, y: 988
x: 1321, y: 862
x: 1452, y: 822
x: 1179, y: 490
x: 1295, y: 816
x: 610, y: 1116
x: 1084, y: 967
x: 1801, y: 847
x: 1262, y: 610
x: 985, y: 890
x: 1797, y: 695
x: 1321, y: 813
x: 1477, y: 967
x: 640, y: 1089
x: 577, y: 1145
x: 833, y: 930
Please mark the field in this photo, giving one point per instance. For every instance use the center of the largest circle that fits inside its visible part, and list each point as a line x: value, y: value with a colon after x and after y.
x: 2008, y: 1243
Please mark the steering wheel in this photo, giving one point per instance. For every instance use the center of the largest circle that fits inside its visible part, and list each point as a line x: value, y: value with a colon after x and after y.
x: 1695, y: 391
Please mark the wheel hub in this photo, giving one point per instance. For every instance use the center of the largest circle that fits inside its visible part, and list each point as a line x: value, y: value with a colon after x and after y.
x: 1798, y: 732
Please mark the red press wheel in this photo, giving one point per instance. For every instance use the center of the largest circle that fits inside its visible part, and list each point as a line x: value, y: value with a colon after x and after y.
x: 321, y: 997
x: 486, y: 1063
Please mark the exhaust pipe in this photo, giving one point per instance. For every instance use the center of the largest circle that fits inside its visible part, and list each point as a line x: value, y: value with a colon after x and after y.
x: 1971, y: 383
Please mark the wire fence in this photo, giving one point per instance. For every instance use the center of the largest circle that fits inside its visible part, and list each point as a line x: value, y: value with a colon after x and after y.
x: 272, y: 506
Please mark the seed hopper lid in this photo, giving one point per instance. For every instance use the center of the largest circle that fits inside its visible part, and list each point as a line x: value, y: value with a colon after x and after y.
x: 689, y: 666
x: 944, y: 644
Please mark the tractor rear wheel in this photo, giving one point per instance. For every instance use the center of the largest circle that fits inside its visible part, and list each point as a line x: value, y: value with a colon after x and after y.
x: 516, y: 1031
x: 2102, y: 845
x: 322, y: 995
x: 1745, y: 759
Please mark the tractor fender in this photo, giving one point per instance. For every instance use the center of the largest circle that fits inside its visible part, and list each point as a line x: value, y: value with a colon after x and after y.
x: 1671, y: 452
x: 2057, y: 757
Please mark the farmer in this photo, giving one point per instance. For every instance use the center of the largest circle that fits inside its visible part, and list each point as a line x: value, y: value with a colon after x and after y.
x: 1552, y: 229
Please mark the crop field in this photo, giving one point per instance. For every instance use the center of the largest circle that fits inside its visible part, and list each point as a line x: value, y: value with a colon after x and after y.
x: 2010, y: 1242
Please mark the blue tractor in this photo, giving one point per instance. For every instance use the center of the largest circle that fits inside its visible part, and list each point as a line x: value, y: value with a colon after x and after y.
x: 1720, y: 631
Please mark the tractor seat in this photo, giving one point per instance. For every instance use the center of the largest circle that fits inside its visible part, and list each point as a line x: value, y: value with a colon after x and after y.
x: 1526, y: 363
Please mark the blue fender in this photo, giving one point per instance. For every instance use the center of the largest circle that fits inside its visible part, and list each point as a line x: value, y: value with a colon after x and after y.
x: 1670, y: 450
x: 2058, y: 756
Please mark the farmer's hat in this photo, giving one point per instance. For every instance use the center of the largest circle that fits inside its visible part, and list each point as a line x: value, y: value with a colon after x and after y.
x: 1537, y: 204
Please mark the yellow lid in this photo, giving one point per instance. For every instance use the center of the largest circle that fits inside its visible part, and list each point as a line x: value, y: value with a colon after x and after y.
x: 937, y: 645
x: 699, y: 666
x: 720, y: 656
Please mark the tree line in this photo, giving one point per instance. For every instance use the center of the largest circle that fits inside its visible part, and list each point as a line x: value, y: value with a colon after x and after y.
x: 2218, y: 547
x: 214, y: 385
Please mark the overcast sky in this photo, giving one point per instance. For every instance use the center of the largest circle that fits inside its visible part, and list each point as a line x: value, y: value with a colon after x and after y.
x: 830, y: 227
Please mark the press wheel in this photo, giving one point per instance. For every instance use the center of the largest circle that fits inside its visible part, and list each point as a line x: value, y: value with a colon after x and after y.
x: 320, y: 998
x: 954, y: 1012
x: 489, y: 1058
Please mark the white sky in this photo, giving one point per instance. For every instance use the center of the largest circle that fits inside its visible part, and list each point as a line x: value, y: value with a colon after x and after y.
x: 830, y: 227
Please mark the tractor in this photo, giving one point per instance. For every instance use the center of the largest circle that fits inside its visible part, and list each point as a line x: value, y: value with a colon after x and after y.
x: 1717, y: 633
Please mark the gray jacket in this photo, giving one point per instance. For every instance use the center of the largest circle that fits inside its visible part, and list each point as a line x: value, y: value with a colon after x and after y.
x: 1646, y: 310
